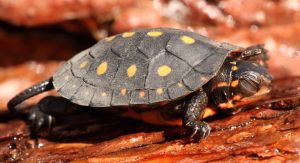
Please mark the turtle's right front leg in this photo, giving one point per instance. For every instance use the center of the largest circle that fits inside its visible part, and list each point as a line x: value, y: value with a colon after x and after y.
x: 44, y: 113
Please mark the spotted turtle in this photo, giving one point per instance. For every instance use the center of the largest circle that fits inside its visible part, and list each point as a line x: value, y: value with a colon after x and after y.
x: 177, y: 73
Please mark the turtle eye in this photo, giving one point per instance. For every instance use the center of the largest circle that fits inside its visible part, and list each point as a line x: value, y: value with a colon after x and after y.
x: 249, y: 83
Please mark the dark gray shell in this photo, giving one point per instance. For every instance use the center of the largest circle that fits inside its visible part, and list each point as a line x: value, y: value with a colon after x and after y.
x: 169, y: 64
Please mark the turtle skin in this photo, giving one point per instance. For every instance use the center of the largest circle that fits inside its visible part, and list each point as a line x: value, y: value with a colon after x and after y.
x: 144, y: 66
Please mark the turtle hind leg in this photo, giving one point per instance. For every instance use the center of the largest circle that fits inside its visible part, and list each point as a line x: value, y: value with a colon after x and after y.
x: 193, y: 111
x: 32, y: 91
x: 43, y: 114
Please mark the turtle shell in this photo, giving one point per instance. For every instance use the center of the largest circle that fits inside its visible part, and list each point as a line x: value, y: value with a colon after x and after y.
x: 140, y: 67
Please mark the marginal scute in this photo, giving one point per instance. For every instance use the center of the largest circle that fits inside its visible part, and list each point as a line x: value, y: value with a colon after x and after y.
x: 99, y: 100
x: 66, y: 66
x: 176, y: 92
x: 123, y: 91
x: 139, y: 97
x: 62, y: 77
x: 78, y: 57
x: 155, y: 97
x: 81, y: 67
x: 86, y: 91
x: 67, y: 91
x: 120, y: 97
x: 83, y: 64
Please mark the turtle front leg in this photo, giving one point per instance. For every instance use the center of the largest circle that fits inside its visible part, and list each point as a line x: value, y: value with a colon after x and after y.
x: 256, y: 53
x: 193, y: 111
x: 44, y: 113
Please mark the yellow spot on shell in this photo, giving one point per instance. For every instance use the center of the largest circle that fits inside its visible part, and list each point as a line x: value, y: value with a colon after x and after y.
x: 103, y: 94
x: 128, y: 34
x: 110, y: 38
x: 123, y: 92
x: 83, y: 64
x: 159, y: 91
x: 203, y: 78
x: 154, y: 34
x: 187, y: 39
x: 131, y: 70
x: 234, y: 83
x: 234, y: 68
x: 101, y: 69
x: 142, y: 94
x: 180, y: 85
x: 164, y: 70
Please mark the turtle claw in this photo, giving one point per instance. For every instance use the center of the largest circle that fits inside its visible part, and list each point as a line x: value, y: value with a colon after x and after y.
x: 199, y: 129
x: 38, y: 120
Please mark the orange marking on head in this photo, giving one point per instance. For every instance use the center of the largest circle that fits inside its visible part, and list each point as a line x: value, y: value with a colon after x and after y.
x: 222, y: 84
x: 226, y: 105
x: 234, y: 83
x: 237, y: 97
x: 222, y: 105
x: 208, y: 112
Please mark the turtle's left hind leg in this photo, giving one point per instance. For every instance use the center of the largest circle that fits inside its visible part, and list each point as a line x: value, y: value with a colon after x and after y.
x: 43, y: 114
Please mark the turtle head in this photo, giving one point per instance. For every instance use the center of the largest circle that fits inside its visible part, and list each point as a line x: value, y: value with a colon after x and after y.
x: 239, y: 80
x: 249, y: 79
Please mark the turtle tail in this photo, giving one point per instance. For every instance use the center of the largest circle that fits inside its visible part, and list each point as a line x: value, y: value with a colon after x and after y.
x: 29, y: 92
